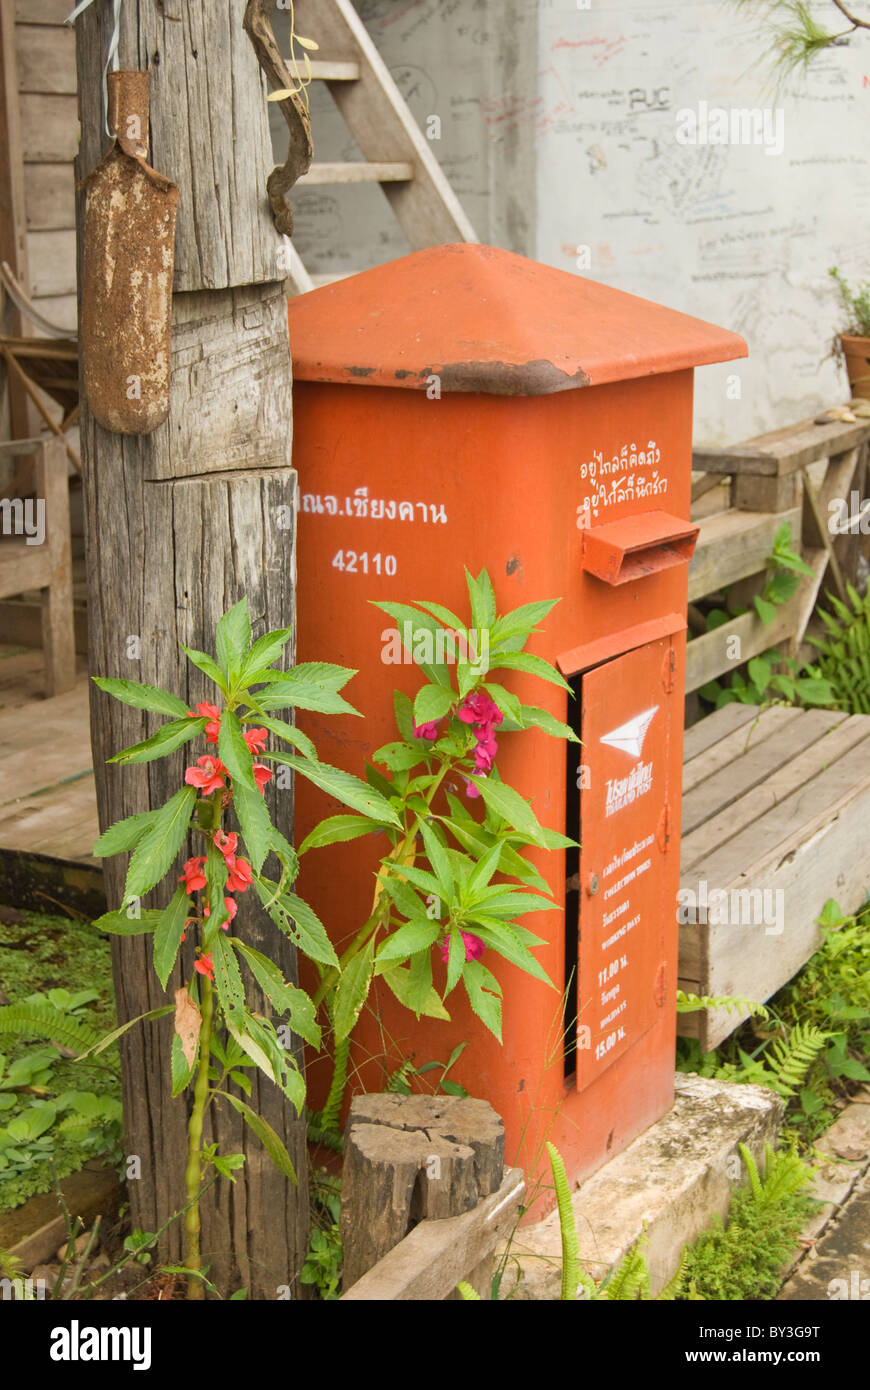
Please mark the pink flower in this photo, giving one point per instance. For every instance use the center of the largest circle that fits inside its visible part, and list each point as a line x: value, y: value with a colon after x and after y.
x: 479, y: 709
x: 208, y: 775
x: 470, y: 789
x: 192, y: 875
x: 474, y: 947
x: 205, y: 966
x: 262, y: 775
x: 226, y: 843
x: 213, y: 714
x: 240, y: 876
x: 256, y: 739
x: 428, y: 731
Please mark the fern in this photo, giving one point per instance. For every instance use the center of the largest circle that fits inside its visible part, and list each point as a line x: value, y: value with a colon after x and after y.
x: 844, y: 654
x: 42, y: 1021
x: 467, y: 1293
x: 572, y: 1273
x: 630, y: 1280
x: 789, y: 1061
x: 732, y: 1003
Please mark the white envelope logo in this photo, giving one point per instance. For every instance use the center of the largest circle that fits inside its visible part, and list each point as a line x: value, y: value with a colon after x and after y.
x: 629, y: 737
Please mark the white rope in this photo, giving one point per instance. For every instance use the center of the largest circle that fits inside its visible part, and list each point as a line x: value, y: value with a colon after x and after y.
x: 112, y: 54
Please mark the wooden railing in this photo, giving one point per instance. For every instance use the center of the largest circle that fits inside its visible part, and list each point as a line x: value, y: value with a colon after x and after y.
x: 790, y: 475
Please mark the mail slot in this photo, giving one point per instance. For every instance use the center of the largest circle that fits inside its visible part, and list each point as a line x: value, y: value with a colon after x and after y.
x: 464, y: 406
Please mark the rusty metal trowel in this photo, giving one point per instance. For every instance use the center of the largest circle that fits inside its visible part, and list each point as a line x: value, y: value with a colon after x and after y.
x: 128, y: 263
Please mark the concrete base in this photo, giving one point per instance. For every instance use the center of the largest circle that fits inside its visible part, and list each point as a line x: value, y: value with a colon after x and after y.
x: 666, y: 1186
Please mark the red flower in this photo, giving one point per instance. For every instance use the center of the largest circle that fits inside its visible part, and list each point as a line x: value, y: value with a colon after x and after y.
x: 192, y: 875
x: 226, y: 843
x: 213, y: 714
x: 208, y: 775
x: 232, y: 908
x: 428, y: 731
x: 262, y: 775
x: 204, y: 966
x: 256, y: 739
x: 474, y: 947
x: 240, y: 877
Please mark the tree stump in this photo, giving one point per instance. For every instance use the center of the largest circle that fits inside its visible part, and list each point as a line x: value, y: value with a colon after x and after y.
x: 413, y: 1158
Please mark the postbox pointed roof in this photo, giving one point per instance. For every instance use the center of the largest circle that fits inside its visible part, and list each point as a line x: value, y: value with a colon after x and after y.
x: 486, y: 320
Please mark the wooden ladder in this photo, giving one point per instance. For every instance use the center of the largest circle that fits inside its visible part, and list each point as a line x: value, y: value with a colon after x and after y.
x: 395, y: 152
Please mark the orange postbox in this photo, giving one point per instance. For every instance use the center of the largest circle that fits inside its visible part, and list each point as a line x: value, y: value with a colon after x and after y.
x: 464, y: 406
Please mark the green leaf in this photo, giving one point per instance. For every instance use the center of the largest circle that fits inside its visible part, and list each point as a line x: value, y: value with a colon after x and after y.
x: 234, y: 752
x: 402, y: 614
x: 506, y: 701
x: 156, y: 851
x: 532, y: 717
x: 814, y: 692
x: 781, y: 587
x: 343, y: 786
x: 313, y: 685
x: 408, y: 940
x: 232, y: 639
x: 717, y: 617
x: 168, y: 932
x: 512, y: 631
x: 455, y: 960
x: 483, y: 993
x: 216, y: 874
x: 253, y: 816
x: 165, y: 741
x: 759, y: 672
x: 507, y: 803
x: 124, y: 835
x: 285, y: 854
x: 352, y: 991
x: 299, y: 921
x: 398, y: 756
x: 404, y: 711
x: 482, y: 598
x: 181, y: 1074
x: 119, y: 924
x: 119, y: 1032
x: 402, y: 894
x: 444, y: 615
x: 337, y: 829
x: 205, y: 663
x: 533, y: 665
x: 438, y: 859
x: 141, y: 696
x: 766, y: 611
x: 263, y: 653
x: 265, y: 1133
x: 432, y: 703
x: 228, y: 979
x: 290, y: 734
x: 286, y: 998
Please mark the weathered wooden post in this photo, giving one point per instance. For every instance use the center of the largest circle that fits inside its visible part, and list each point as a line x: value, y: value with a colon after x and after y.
x: 180, y: 524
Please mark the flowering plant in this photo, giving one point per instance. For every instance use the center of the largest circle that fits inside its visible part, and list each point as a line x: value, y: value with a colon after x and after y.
x: 217, y: 1034
x: 436, y: 886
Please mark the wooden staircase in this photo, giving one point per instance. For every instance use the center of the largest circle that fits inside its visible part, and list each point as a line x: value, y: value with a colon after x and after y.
x: 395, y: 152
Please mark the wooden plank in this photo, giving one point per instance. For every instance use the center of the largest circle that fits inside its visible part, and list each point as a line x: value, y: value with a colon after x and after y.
x: 46, y: 58
x: 58, y: 632
x: 49, y: 129
x: 798, y: 804
x: 785, y: 450
x: 324, y: 70
x: 34, y: 823
x: 59, y: 309
x: 49, y: 197
x: 13, y: 226
x: 753, y: 493
x: 707, y: 657
x: 714, y: 727
x: 383, y: 127
x: 360, y: 171
x: 733, y: 545
x: 22, y: 567
x: 52, y: 260
x: 429, y: 1263
x: 789, y: 740
x: 750, y: 733
x: 21, y: 624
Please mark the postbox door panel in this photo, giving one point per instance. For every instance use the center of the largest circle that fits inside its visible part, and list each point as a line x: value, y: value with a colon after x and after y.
x: 626, y: 723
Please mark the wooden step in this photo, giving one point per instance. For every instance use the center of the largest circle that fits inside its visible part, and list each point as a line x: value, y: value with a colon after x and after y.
x: 322, y: 70
x: 359, y: 171
x: 735, y: 544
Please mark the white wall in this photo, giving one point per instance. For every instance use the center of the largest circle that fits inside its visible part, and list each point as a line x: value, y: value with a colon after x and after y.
x: 559, y: 130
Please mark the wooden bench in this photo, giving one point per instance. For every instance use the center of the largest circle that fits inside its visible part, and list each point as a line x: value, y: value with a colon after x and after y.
x: 47, y: 566
x: 776, y: 804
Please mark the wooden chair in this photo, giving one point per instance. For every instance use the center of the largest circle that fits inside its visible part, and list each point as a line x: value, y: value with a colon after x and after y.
x: 46, y: 566
x: 50, y: 363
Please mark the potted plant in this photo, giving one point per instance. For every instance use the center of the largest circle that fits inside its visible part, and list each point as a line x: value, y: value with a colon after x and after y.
x: 854, y: 343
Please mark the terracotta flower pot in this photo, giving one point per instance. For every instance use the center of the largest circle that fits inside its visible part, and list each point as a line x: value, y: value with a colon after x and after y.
x: 857, y: 354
